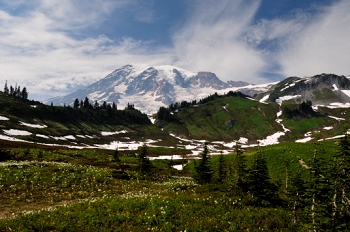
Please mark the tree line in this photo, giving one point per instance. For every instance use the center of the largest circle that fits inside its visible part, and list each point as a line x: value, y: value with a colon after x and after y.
x: 16, y: 91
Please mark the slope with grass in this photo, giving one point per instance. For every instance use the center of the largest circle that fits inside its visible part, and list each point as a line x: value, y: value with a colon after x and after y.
x: 225, y: 118
x: 35, y: 122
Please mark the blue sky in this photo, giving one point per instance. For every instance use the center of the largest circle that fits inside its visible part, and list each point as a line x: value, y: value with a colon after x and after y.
x: 54, y: 47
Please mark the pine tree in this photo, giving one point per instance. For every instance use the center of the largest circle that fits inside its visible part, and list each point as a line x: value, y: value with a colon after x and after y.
x: 116, y: 156
x: 203, y: 171
x: 76, y: 103
x: 318, y: 194
x: 24, y: 93
x: 6, y: 89
x: 296, y: 193
x: 341, y: 186
x: 144, y: 163
x: 86, y: 103
x: 262, y: 190
x: 242, y: 170
x: 222, y: 172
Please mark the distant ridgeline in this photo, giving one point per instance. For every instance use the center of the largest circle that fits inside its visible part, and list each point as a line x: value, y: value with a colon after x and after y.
x: 16, y: 92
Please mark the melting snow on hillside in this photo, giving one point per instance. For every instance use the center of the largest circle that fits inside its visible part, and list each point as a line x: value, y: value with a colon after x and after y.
x: 32, y: 125
x: 14, y: 132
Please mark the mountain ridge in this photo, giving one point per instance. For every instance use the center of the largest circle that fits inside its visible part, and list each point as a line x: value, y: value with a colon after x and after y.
x: 149, y: 87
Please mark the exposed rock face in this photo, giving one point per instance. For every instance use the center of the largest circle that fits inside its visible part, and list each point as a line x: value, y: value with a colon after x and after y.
x: 320, y: 89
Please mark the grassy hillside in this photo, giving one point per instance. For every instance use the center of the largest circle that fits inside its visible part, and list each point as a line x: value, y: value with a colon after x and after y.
x: 225, y: 118
x: 48, y: 124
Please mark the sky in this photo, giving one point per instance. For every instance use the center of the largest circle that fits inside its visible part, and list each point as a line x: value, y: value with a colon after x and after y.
x: 54, y: 47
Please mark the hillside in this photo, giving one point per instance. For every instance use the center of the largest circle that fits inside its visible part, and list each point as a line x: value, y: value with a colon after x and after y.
x: 234, y: 116
x: 323, y: 89
x: 23, y: 120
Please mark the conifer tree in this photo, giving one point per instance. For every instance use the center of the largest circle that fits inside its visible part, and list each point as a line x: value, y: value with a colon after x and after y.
x: 116, y: 156
x: 296, y: 193
x: 24, y: 93
x: 262, y: 190
x: 86, y: 103
x: 340, y: 171
x: 144, y: 163
x: 242, y: 170
x: 6, y: 89
x: 203, y: 171
x: 76, y: 103
x: 318, y: 194
x: 222, y: 172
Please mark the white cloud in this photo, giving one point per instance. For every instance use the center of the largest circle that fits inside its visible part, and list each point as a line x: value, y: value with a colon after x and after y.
x: 213, y: 40
x: 321, y: 46
x: 41, y: 47
x: 38, y: 51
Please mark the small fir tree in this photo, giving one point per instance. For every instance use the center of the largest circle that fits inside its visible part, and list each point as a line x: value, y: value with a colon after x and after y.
x: 318, y: 195
x: 76, y: 103
x: 144, y: 163
x: 262, y: 190
x: 242, y: 170
x: 203, y: 171
x: 222, y: 169
x: 116, y: 155
x: 296, y: 193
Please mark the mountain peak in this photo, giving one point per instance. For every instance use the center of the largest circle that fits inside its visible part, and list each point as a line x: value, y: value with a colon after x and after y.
x: 148, y: 87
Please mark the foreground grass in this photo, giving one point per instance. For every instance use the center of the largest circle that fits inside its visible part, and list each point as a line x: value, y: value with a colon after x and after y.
x: 172, y: 209
x: 83, y: 194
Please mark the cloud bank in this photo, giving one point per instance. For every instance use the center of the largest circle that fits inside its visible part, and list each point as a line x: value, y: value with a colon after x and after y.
x: 47, y: 48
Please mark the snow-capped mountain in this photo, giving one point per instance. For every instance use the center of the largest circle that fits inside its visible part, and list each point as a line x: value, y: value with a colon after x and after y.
x: 149, y: 87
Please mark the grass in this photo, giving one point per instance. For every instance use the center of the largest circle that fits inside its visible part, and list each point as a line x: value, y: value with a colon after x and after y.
x: 210, y: 121
x: 81, y: 193
x: 171, y: 209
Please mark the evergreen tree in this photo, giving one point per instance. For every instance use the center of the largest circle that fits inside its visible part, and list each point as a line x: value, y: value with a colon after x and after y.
x: 11, y: 90
x: 144, y: 163
x: 296, y: 193
x: 116, y: 156
x: 76, y: 103
x: 203, y: 171
x: 262, y: 190
x: 242, y: 170
x: 6, y: 89
x: 24, y: 93
x: 318, y: 195
x: 18, y: 92
x: 104, y: 105
x: 86, y: 103
x: 222, y: 172
x: 341, y: 186
x: 81, y: 104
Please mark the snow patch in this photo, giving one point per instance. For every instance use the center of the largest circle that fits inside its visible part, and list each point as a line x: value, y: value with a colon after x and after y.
x: 14, y: 132
x: 339, y: 119
x: 286, y: 98
x: 2, y: 118
x: 347, y: 92
x: 335, y: 87
x: 32, y: 125
x: 42, y: 136
x: 304, y: 140
x: 104, y: 133
x: 271, y: 139
x: 338, y: 105
x: 262, y: 100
